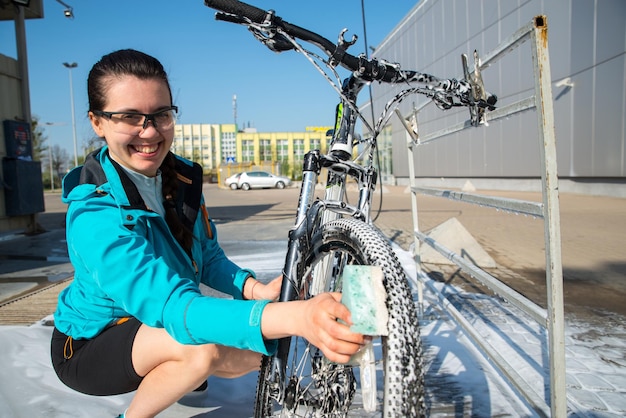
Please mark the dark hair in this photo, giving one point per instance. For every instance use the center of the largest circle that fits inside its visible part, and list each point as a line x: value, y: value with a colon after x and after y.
x: 170, y: 185
x: 129, y: 62
x: 117, y: 64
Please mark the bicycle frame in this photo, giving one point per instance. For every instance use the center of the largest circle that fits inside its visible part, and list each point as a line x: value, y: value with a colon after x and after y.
x: 280, y: 36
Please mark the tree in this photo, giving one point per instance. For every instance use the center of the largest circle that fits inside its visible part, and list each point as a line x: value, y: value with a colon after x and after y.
x: 38, y: 139
x: 60, y: 160
x: 91, y: 145
x: 57, y: 164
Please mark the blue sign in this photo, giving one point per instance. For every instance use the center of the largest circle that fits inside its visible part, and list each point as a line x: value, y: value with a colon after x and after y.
x: 230, y: 160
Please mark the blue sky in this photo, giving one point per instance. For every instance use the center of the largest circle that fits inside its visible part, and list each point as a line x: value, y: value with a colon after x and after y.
x: 208, y: 61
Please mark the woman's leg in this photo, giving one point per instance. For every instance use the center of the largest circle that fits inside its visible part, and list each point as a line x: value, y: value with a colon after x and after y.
x: 171, y: 369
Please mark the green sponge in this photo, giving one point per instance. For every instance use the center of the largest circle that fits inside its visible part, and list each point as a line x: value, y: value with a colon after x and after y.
x: 364, y: 295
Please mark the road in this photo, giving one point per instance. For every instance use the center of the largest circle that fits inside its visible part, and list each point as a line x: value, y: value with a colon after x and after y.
x: 593, y: 233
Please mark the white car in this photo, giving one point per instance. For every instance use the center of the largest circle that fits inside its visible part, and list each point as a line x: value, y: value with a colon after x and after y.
x: 256, y: 180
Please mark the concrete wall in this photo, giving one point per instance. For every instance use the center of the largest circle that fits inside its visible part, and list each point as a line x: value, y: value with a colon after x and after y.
x: 587, y: 50
x: 10, y: 108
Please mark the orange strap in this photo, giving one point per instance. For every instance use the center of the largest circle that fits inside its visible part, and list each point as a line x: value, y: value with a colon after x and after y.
x: 68, y: 350
x: 207, y: 223
x: 122, y: 320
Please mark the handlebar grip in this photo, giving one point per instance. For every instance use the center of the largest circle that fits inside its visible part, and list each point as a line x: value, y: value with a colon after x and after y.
x: 238, y: 8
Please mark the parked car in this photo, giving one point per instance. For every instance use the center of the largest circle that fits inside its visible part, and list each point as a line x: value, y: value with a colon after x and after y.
x: 233, y: 181
x: 256, y: 180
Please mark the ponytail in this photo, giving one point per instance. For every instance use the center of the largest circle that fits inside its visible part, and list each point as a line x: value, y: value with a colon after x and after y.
x: 183, y: 235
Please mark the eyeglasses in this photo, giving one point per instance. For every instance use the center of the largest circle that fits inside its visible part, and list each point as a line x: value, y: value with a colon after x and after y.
x: 132, y: 123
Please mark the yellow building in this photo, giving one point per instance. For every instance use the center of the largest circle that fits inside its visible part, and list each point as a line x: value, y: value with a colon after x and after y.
x: 220, y: 146
x: 206, y: 144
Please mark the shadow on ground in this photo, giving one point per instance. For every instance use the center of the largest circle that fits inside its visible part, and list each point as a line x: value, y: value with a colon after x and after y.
x: 260, y: 213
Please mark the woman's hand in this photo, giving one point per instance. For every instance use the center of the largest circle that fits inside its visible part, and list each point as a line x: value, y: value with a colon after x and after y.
x: 255, y: 290
x: 323, y: 330
x: 316, y: 320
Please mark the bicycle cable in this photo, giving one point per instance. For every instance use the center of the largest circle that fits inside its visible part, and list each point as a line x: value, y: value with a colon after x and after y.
x: 369, y: 87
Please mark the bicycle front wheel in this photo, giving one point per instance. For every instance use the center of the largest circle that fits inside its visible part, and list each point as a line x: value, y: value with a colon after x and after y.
x: 316, y: 387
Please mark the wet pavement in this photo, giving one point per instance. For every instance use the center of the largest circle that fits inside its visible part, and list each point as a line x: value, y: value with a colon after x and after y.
x: 32, y: 262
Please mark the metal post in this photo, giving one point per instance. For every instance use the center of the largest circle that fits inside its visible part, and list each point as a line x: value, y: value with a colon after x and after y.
x: 51, y: 175
x: 412, y: 138
x: 69, y: 67
x: 552, y: 231
x: 22, y: 61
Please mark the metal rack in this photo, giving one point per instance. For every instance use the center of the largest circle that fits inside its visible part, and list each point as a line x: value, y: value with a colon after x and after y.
x: 551, y: 318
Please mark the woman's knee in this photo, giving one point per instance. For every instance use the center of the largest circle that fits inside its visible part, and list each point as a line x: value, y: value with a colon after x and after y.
x: 204, y: 359
x: 153, y: 347
x: 222, y: 361
x: 234, y: 362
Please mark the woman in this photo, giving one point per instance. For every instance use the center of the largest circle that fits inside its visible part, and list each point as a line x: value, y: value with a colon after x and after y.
x: 140, y: 241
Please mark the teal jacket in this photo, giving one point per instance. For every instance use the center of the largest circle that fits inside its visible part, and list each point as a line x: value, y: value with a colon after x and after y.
x: 127, y: 263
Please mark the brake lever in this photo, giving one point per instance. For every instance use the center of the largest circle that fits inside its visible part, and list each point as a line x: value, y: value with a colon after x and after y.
x: 227, y: 17
x: 270, y: 38
x: 275, y: 42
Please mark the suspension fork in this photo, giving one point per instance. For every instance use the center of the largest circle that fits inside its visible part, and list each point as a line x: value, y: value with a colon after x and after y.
x: 299, y: 235
x: 307, y: 217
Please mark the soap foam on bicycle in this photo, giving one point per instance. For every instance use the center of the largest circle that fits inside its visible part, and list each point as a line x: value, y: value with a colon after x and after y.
x: 364, y: 295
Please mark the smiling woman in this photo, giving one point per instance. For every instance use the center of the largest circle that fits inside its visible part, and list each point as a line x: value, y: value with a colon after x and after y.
x: 124, y: 99
x: 141, y: 242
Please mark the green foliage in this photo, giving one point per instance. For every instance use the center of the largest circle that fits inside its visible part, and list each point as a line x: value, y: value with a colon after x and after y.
x: 38, y: 139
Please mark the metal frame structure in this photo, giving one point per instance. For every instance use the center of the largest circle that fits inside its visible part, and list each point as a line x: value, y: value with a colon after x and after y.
x: 551, y: 318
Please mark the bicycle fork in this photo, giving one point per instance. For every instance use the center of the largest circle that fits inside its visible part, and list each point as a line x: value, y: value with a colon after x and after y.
x: 307, y: 217
x: 310, y: 215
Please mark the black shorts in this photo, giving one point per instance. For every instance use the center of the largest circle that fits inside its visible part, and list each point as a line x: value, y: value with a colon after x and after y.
x: 100, y: 366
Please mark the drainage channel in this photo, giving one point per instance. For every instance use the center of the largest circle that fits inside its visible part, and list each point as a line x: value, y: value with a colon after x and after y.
x: 32, y: 307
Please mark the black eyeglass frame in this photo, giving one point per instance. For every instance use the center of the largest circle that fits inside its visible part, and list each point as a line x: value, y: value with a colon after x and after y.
x: 147, y: 116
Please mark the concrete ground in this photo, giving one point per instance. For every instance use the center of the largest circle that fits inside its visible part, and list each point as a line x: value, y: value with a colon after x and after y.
x: 593, y: 231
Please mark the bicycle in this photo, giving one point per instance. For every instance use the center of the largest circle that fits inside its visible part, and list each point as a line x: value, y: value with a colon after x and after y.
x: 331, y: 233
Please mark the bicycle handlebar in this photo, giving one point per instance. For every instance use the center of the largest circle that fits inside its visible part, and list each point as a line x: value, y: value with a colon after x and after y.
x: 237, y: 8
x: 369, y: 70
x: 366, y: 69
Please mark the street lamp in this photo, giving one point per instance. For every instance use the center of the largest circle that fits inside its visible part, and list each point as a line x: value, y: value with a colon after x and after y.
x: 68, y: 12
x: 69, y: 66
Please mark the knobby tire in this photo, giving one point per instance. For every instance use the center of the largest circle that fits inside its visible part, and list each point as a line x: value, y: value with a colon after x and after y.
x: 318, y: 388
